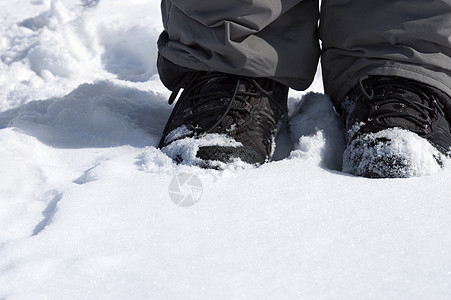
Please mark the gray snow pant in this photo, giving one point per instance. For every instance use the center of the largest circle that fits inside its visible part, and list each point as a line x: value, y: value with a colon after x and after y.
x: 279, y: 39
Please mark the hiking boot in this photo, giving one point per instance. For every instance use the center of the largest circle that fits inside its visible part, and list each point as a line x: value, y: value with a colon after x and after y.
x: 395, y: 128
x: 222, y: 117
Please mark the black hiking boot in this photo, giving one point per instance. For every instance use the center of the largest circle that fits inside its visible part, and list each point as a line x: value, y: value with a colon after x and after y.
x: 388, y: 121
x: 222, y: 117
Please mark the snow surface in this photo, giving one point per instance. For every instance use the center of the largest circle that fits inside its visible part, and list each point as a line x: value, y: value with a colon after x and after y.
x: 87, y: 201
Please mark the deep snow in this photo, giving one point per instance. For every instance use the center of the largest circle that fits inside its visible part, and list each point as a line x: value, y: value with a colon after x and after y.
x: 87, y: 202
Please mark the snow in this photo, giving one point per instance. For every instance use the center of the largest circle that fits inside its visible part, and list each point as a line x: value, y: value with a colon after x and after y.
x: 88, y: 205
x: 413, y: 155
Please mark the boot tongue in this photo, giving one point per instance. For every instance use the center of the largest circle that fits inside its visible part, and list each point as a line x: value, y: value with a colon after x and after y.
x: 220, y: 84
x: 403, y: 109
x: 224, y: 87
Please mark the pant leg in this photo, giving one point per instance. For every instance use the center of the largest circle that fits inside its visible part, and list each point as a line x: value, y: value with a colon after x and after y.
x: 258, y: 38
x: 387, y: 37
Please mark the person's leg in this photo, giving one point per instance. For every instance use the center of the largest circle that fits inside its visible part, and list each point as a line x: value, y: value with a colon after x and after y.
x: 391, y: 61
x: 255, y: 38
x: 235, y: 61
x: 409, y: 39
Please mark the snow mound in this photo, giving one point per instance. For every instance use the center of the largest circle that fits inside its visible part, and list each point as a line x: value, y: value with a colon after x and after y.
x: 52, y: 47
x: 184, y: 150
x: 392, y: 153
x: 316, y: 131
x: 102, y: 114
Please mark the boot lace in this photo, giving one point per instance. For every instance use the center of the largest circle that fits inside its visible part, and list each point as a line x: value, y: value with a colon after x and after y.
x: 194, y: 82
x: 381, y: 92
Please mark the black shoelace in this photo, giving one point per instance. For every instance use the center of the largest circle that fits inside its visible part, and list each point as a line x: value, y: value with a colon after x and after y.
x: 383, y: 91
x: 194, y: 82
